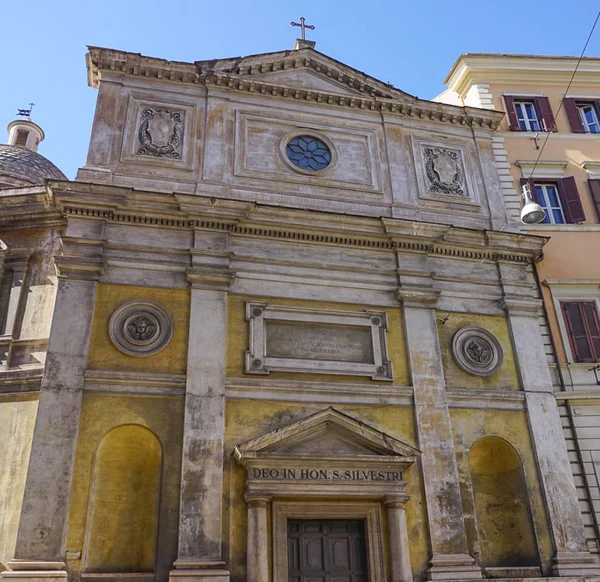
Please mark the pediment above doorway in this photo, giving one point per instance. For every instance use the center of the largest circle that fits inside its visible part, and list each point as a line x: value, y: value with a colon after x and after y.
x: 327, y: 454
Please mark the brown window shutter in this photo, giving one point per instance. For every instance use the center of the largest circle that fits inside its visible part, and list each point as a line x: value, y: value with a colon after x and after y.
x: 542, y: 104
x: 571, y: 203
x: 595, y: 190
x: 513, y: 120
x: 574, y: 318
x: 593, y: 327
x: 573, y: 115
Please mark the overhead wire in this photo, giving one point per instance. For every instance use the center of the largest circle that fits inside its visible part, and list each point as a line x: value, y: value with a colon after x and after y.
x: 566, y: 91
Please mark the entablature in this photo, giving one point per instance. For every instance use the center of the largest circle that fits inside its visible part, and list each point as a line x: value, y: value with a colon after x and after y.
x: 237, y: 218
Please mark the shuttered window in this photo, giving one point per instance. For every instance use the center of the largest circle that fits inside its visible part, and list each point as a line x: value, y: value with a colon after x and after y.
x: 583, y: 327
x: 584, y: 115
x: 529, y: 113
x: 559, y: 198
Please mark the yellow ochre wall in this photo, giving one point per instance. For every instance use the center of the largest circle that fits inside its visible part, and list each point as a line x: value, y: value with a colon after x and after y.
x: 505, y: 378
x: 17, y: 421
x: 103, y: 355
x: 100, y: 414
x: 468, y: 426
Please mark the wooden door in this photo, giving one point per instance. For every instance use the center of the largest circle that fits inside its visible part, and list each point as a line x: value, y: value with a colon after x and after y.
x: 327, y: 551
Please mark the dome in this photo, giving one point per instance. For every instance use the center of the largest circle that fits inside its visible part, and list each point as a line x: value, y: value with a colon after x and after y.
x: 22, y: 167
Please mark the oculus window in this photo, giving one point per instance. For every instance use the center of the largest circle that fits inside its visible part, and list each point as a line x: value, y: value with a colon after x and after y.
x: 308, y: 153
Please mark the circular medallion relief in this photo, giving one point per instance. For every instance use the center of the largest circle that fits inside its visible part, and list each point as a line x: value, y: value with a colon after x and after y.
x: 307, y: 153
x: 477, y: 351
x: 140, y: 328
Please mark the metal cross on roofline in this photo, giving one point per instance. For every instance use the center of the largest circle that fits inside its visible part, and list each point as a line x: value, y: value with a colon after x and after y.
x: 303, y: 26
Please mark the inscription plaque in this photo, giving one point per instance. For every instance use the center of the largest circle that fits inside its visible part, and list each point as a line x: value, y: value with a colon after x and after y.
x: 321, y: 341
x: 324, y: 474
x: 317, y: 342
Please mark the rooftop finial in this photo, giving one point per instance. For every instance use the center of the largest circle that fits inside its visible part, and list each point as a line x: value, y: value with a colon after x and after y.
x: 302, y: 42
x: 26, y: 112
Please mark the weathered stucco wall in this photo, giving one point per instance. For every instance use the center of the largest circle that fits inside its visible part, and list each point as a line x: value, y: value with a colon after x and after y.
x: 470, y: 425
x: 17, y: 419
x: 100, y: 414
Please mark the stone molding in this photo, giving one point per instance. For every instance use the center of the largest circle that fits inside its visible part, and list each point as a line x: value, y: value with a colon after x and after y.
x: 260, y: 359
x: 120, y: 205
x: 366, y: 93
x: 419, y: 298
x: 370, y: 512
x: 520, y: 306
x: 213, y: 279
x: 326, y: 462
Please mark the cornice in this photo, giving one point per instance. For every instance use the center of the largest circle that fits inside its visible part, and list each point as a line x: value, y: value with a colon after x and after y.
x: 23, y: 207
x: 238, y: 218
x: 368, y: 94
x: 529, y: 70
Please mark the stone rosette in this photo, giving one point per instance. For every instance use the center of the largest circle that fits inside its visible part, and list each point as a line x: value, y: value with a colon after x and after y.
x: 140, y: 328
x: 477, y: 351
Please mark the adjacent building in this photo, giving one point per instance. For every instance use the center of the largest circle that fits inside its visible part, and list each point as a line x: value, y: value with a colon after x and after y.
x: 294, y: 336
x: 554, y: 145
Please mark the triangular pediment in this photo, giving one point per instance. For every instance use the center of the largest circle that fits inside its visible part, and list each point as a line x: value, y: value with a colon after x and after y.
x: 303, y: 69
x: 328, y: 433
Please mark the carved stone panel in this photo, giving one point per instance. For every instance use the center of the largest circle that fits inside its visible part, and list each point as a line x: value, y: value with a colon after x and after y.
x: 477, y: 351
x: 159, y: 134
x: 444, y: 170
x: 317, y: 341
x: 140, y: 328
x: 444, y: 173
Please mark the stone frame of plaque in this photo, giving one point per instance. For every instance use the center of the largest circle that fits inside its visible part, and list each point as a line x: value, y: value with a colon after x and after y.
x: 136, y: 106
x: 469, y: 199
x: 321, y: 341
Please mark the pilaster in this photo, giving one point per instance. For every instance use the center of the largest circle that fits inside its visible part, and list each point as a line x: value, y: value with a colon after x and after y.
x: 42, y: 530
x: 572, y: 557
x: 450, y: 559
x: 200, y: 512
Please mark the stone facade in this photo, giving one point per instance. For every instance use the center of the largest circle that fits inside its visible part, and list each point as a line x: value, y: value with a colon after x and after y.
x: 287, y: 293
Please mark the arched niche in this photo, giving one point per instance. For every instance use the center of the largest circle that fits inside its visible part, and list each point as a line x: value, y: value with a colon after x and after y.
x: 123, y: 516
x: 505, y: 525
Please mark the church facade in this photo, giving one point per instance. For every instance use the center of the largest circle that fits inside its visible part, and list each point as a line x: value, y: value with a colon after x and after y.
x: 291, y: 337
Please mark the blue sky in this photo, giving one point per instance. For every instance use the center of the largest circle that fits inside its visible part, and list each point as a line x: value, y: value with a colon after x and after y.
x: 409, y: 44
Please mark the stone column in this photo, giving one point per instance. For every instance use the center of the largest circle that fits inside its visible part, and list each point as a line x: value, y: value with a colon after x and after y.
x: 398, y: 540
x: 450, y: 559
x: 572, y: 556
x: 258, y: 542
x: 45, y: 511
x: 200, y: 510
